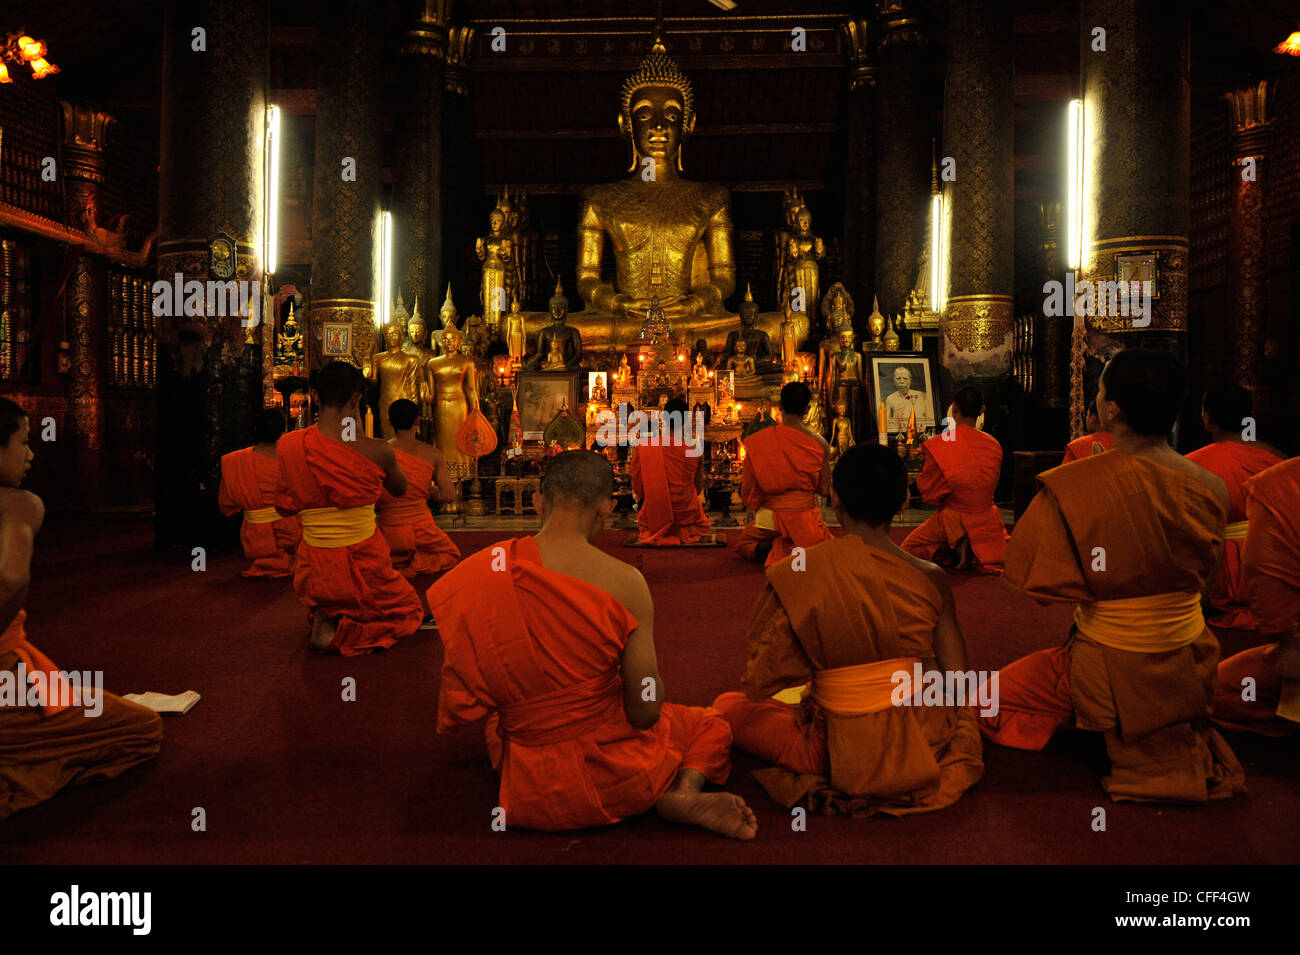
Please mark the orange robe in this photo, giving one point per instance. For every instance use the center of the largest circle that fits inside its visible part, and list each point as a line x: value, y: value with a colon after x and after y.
x: 779, y: 483
x: 1271, y: 576
x: 1087, y: 446
x: 248, y: 482
x: 960, y: 476
x: 418, y: 545
x: 663, y: 480
x: 853, y: 606
x: 376, y: 605
x: 45, y: 748
x: 1235, y: 463
x: 1133, y: 544
x: 541, y: 651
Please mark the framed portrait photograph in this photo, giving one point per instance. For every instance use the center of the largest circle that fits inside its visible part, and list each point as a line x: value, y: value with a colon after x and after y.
x: 337, y: 340
x: 540, y: 395
x: 903, y: 381
x: 1139, y: 267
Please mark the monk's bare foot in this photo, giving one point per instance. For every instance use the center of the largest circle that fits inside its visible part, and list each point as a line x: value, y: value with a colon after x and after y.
x: 323, y: 630
x: 723, y: 813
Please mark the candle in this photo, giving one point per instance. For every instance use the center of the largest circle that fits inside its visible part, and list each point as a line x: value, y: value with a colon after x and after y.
x: 882, y: 431
x: 370, y: 423
x: 911, y: 425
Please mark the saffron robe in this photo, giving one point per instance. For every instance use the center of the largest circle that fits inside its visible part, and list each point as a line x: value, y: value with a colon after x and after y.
x: 541, y: 651
x: 418, y: 545
x: 1271, y: 578
x: 960, y: 476
x: 779, y: 483
x: 1235, y: 463
x: 663, y: 480
x: 376, y: 605
x: 45, y: 748
x: 1116, y: 527
x: 852, y: 605
x: 1087, y: 446
x: 248, y: 482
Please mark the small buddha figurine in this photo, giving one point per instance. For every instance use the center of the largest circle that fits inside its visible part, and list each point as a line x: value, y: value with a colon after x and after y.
x: 741, y: 363
x: 400, y: 375
x: 699, y: 373
x: 495, y: 251
x: 843, y: 378
x: 757, y: 342
x: 789, y: 336
x: 515, y: 343
x: 598, y: 392
x: 288, y: 346
x: 555, y: 357
x: 568, y: 337
x: 623, y: 377
x: 802, y: 252
x: 841, y: 432
x: 891, y: 335
x: 814, y: 418
x: 876, y: 324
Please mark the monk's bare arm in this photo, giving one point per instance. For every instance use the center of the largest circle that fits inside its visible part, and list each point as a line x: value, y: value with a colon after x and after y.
x: 949, y: 644
x: 21, y: 514
x: 824, y: 479
x: 643, y: 690
x: 386, y: 458
x: 445, y: 493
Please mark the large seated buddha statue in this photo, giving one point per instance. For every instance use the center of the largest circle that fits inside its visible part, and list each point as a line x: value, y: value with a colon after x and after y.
x: 671, y: 237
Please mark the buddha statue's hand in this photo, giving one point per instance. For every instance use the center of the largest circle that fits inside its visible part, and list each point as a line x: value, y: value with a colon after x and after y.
x: 607, y: 300
x: 675, y: 308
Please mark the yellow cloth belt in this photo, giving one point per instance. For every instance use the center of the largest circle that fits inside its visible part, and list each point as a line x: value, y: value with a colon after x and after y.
x: 763, y: 519
x: 337, y: 526
x: 1155, y: 624
x: 262, y: 515
x: 858, y: 690
x: 1236, y: 531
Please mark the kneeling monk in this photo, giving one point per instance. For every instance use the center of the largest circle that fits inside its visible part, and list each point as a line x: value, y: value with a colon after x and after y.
x: 960, y: 475
x: 553, y: 638
x: 1095, y: 441
x: 331, y: 476
x: 249, y: 478
x: 1271, y: 580
x: 418, y: 545
x: 860, y: 612
x: 59, y: 741
x: 667, y: 478
x: 1224, y: 411
x: 785, y: 467
x: 1132, y: 537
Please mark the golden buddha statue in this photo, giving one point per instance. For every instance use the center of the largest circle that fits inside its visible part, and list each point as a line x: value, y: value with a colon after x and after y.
x: 741, y: 363
x: 525, y: 245
x: 455, y: 392
x: 699, y: 372
x: 288, y: 344
x: 623, y: 376
x: 417, y: 332
x: 515, y: 341
x: 400, y: 375
x: 841, y: 432
x: 876, y: 324
x: 789, y: 336
x: 790, y: 203
x: 559, y: 333
x: 843, y: 380
x: 555, y: 357
x: 802, y: 252
x: 671, y: 237
x: 495, y: 251
x: 814, y: 419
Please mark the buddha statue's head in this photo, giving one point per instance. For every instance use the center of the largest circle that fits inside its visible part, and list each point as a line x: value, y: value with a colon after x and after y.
x: 514, y: 306
x: 448, y: 311
x: 393, y: 333
x: 496, y: 221
x: 748, y: 309
x: 741, y: 347
x: 657, y: 110
x: 845, y: 334
x: 415, y: 327
x: 559, y: 304
x: 841, y: 409
x: 451, y: 339
x: 803, y: 219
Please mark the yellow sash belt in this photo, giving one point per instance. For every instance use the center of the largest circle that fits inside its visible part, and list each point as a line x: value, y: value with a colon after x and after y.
x: 1236, y: 531
x: 262, y: 515
x: 861, y: 689
x: 337, y: 526
x: 1155, y: 624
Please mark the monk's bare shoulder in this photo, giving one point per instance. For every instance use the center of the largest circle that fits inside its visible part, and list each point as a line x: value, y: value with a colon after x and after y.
x: 377, y: 450
x: 433, y: 455
x: 21, y: 506
x: 932, y: 571
x: 625, y: 583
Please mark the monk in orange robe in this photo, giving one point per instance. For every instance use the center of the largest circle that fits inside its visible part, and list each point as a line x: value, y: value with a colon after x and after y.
x: 786, y: 465
x: 553, y: 640
x: 49, y: 736
x: 861, y: 620
x: 1270, y: 704
x: 248, y: 481
x: 331, y: 475
x: 1095, y: 441
x: 418, y: 545
x: 1225, y: 411
x: 667, y: 478
x: 1132, y: 537
x: 959, y: 476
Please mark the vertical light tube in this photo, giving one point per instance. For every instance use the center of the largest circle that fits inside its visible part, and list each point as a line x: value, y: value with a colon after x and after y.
x: 385, y: 269
x: 1075, y: 183
x: 271, y: 219
x: 936, y: 252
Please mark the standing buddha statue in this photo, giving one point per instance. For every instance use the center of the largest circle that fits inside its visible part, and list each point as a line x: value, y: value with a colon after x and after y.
x: 495, y: 251
x: 455, y: 393
x: 843, y: 380
x: 802, y: 252
x: 515, y: 341
x: 416, y: 331
x: 399, y: 375
x: 841, y: 433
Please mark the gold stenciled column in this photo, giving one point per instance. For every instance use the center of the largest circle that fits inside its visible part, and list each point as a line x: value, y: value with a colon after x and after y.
x: 977, y: 326
x: 348, y: 182
x: 1247, y: 262
x: 84, y: 130
x: 860, y: 164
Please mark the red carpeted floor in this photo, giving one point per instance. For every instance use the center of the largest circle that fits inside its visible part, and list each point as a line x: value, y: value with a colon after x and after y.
x: 288, y: 772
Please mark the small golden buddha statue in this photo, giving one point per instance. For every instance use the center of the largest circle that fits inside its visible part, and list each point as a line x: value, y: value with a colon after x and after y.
x: 802, y: 252
x: 841, y: 432
x: 623, y: 376
x: 741, y: 363
x: 843, y: 379
x: 555, y: 357
x: 399, y: 374
x: 495, y: 251
x: 515, y: 341
x: 814, y: 418
x: 569, y: 339
x: 891, y: 335
x: 455, y: 393
x: 876, y: 324
x: 699, y: 372
x: 288, y: 346
x: 417, y: 332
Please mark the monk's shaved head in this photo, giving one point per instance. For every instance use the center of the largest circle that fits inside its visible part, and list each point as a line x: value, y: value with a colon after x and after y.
x: 268, y: 425
x: 969, y: 401
x: 795, y: 398
x: 403, y: 413
x: 11, y: 419
x: 871, y: 483
x: 1149, y: 387
x: 581, y: 478
x: 338, y: 383
x: 1226, y: 405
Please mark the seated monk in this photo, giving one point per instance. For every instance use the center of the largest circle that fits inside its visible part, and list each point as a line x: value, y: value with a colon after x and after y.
x: 418, y: 545
x: 959, y: 476
x: 553, y: 639
x: 1132, y: 537
x: 1224, y: 411
x: 1271, y: 578
x: 785, y: 466
x: 861, y: 611
x: 332, y: 476
x: 248, y: 481
x: 1095, y: 441
x: 667, y: 478
x: 61, y: 740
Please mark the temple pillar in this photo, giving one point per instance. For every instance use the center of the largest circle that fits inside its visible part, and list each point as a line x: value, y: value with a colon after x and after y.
x: 1052, y: 339
x: 1247, y: 261
x: 461, y: 181
x: 903, y: 154
x: 860, y: 171
x: 348, y: 192
x: 418, y: 178
x: 977, y: 325
x: 211, y: 194
x: 86, y: 299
